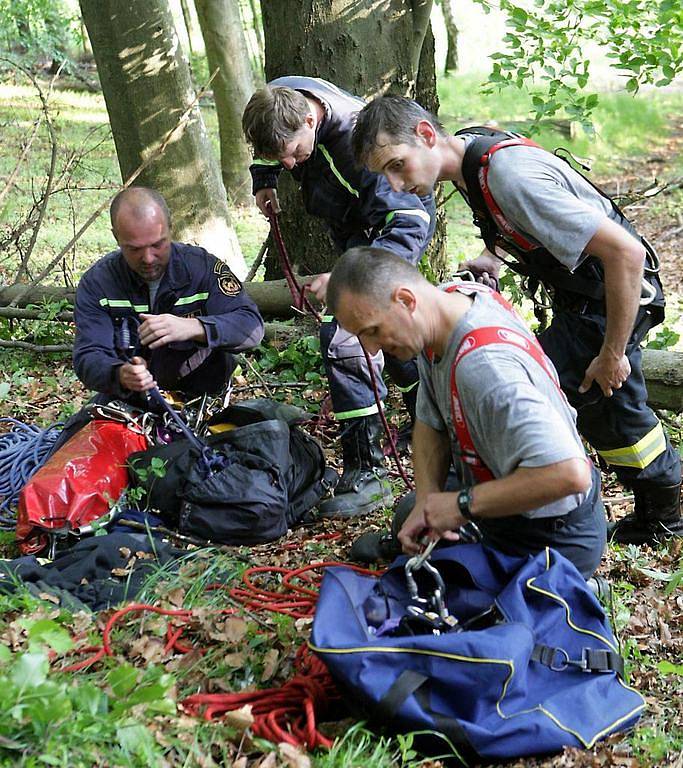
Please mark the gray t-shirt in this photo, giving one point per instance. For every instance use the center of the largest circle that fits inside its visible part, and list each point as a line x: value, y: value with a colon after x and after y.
x: 153, y: 287
x: 516, y: 414
x: 548, y: 202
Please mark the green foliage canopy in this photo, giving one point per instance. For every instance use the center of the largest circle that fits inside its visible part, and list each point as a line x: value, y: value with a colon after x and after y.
x: 546, y: 42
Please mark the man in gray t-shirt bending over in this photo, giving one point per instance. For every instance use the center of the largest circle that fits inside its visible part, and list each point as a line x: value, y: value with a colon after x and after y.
x: 551, y: 225
x: 489, y: 403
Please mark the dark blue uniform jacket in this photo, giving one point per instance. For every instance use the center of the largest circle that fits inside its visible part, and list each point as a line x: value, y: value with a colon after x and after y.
x: 358, y: 206
x: 195, y: 284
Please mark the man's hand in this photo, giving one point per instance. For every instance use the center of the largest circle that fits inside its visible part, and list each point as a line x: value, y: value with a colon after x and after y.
x: 319, y: 286
x: 159, y: 330
x: 135, y: 377
x: 442, y: 516
x: 609, y: 371
x: 267, y: 201
x: 485, y: 268
x: 413, y: 530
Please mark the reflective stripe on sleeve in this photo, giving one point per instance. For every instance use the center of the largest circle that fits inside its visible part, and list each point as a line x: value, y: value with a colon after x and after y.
x: 408, y: 212
x: 342, y: 180
x: 118, y: 303
x: 190, y: 299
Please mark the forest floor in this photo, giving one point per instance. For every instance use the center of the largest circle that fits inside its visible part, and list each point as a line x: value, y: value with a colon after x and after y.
x: 123, y: 711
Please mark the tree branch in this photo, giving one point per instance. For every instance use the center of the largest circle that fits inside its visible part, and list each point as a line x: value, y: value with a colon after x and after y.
x: 170, y: 136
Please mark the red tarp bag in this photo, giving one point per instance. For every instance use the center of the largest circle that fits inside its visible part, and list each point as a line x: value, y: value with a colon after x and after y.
x: 77, y: 484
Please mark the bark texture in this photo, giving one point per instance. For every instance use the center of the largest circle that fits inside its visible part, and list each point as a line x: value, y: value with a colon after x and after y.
x: 226, y: 51
x: 147, y: 87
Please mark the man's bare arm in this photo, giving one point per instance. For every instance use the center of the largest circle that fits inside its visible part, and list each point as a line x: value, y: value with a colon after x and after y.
x: 524, y: 489
x: 431, y: 460
x: 622, y: 258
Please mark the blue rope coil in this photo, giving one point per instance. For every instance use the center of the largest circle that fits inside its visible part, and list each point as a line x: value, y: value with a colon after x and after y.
x: 23, y: 450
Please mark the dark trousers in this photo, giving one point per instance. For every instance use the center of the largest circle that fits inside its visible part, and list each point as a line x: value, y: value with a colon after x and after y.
x: 622, y: 428
x: 348, y: 376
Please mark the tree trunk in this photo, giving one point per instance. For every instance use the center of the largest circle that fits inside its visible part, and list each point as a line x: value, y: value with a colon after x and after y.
x: 226, y: 50
x: 366, y: 52
x: 452, y: 36
x: 255, y: 9
x: 187, y: 20
x: 147, y: 87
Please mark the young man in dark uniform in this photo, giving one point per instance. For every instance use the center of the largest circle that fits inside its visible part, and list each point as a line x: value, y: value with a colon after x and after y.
x: 303, y: 125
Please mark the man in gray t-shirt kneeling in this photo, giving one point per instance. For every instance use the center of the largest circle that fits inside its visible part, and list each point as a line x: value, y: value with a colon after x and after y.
x: 489, y: 404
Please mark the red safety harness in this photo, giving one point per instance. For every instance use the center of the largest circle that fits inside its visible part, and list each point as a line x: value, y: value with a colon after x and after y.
x: 476, y: 339
x: 506, y: 228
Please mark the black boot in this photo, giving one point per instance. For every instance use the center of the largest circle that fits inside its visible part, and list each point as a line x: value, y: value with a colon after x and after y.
x: 656, y: 515
x: 363, y: 486
x: 378, y: 546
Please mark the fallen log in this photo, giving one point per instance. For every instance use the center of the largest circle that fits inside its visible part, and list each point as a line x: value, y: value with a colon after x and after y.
x: 272, y: 297
x: 663, y: 370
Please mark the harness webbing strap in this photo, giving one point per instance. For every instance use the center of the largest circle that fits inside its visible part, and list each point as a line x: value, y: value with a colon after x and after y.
x: 596, y: 660
x: 404, y: 686
x: 491, y: 204
x: 476, y: 339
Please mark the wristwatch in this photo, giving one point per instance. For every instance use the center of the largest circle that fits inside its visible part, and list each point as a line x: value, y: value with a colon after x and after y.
x: 465, y: 503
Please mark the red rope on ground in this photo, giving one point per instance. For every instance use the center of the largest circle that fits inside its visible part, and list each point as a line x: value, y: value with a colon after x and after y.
x: 288, y: 713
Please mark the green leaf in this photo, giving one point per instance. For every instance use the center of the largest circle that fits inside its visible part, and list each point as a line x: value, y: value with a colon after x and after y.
x: 30, y: 670
x: 520, y: 15
x: 48, y: 632
x: 667, y: 668
x: 5, y: 387
x: 591, y: 101
x: 49, y: 704
x: 122, y: 680
x: 136, y: 739
x: 5, y: 653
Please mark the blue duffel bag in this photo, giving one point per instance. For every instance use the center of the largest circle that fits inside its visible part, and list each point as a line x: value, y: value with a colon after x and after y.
x: 531, y: 665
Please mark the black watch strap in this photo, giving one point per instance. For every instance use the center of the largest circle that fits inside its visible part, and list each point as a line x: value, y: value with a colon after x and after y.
x: 465, y: 502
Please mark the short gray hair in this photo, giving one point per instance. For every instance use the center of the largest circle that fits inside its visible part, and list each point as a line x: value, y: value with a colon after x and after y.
x: 394, y: 116
x: 371, y: 272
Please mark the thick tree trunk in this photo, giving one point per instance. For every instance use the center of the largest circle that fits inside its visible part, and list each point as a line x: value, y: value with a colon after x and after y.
x: 366, y: 49
x: 452, y: 37
x: 147, y: 87
x: 226, y: 51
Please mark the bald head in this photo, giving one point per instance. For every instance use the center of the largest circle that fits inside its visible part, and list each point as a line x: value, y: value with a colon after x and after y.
x: 140, y: 203
x: 371, y: 272
x: 140, y: 222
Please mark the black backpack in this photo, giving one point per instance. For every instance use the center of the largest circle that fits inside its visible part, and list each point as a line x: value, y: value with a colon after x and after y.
x: 273, y: 474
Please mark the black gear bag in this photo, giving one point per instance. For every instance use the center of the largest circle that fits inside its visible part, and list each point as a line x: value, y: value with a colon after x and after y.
x: 273, y: 474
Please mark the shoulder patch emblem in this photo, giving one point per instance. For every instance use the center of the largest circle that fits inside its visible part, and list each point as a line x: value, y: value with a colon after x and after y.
x: 227, y: 282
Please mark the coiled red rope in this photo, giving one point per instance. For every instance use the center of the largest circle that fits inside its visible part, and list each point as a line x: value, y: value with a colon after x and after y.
x: 289, y: 713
